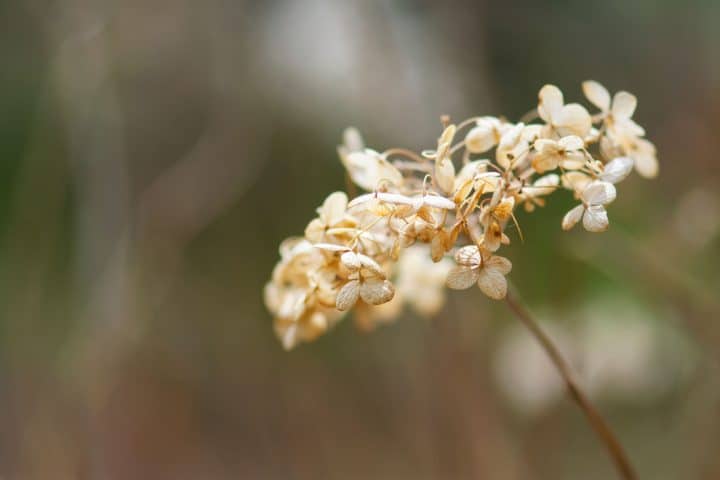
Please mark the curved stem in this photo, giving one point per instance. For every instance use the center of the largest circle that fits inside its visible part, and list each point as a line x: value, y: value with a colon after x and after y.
x: 598, y: 423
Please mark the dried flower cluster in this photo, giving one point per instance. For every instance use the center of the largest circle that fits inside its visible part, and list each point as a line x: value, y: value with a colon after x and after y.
x: 390, y: 247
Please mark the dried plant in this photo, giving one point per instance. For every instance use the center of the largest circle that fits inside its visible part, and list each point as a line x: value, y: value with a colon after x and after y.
x: 391, y: 246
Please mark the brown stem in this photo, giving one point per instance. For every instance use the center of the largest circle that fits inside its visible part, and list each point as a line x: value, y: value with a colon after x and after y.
x: 598, y: 423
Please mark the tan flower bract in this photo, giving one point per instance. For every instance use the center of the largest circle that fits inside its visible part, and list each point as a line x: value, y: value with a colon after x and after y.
x: 437, y: 218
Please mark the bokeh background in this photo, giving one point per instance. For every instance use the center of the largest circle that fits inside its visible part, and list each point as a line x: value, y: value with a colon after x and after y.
x: 154, y: 154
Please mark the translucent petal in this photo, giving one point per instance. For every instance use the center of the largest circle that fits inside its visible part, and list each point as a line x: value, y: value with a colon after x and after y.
x: 574, y: 160
x: 617, y: 169
x: 461, y: 277
x: 543, y: 185
x: 501, y: 264
x: 571, y: 142
x: 572, y: 217
x: 572, y: 119
x: 623, y: 105
x: 333, y: 208
x: 599, y: 193
x: 492, y: 283
x: 597, y: 94
x: 445, y: 175
x: 350, y: 261
x: 480, y: 139
x: 315, y: 230
x: 551, y: 101
x: 348, y: 295
x: 376, y: 291
x: 370, y: 264
x: 469, y: 255
x: 595, y: 219
x: 646, y: 162
x: 576, y: 181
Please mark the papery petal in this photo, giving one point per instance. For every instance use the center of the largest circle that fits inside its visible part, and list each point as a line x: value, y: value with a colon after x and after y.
x: 574, y: 160
x: 551, y: 101
x: 501, y: 264
x: 333, y: 208
x: 646, y: 162
x: 571, y: 142
x: 597, y: 94
x: 370, y: 265
x: 492, y: 283
x: 595, y: 219
x: 461, y: 277
x: 599, y: 193
x: 315, y: 230
x: 576, y: 181
x: 572, y: 217
x: 376, y: 291
x: 617, y: 169
x: 469, y: 255
x: 543, y: 185
x: 445, y: 175
x: 350, y: 261
x: 480, y: 138
x: 348, y: 295
x: 623, y: 105
x: 572, y: 119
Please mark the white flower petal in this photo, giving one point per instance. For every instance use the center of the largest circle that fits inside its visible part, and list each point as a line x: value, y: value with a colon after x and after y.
x: 623, y: 105
x: 348, y: 295
x: 350, y: 260
x: 469, y: 255
x: 333, y: 208
x: 376, y: 291
x: 646, y: 162
x: 597, y: 94
x: 492, y: 283
x: 480, y: 138
x: 551, y: 101
x: 461, y: 277
x: 595, y: 219
x: 572, y: 217
x: 571, y: 142
x: 617, y: 169
x: 572, y: 119
x: 599, y: 193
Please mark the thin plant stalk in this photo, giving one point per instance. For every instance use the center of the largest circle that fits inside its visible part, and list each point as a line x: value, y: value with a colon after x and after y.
x: 598, y: 423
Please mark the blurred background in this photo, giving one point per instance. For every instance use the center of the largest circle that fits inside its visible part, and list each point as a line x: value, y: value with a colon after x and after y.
x: 155, y: 153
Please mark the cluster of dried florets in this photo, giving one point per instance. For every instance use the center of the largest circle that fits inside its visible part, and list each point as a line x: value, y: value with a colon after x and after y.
x: 390, y: 246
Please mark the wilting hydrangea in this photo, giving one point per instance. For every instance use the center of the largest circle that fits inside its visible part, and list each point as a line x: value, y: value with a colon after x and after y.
x: 393, y: 245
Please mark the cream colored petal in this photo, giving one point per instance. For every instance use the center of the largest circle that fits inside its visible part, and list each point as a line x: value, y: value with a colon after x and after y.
x: 544, y: 162
x: 599, y: 193
x: 551, y: 102
x: 617, y: 169
x: 461, y: 277
x: 572, y: 119
x: 597, y: 94
x: 576, y: 181
x: 315, y: 230
x: 333, y: 209
x: 348, y: 296
x: 571, y: 142
x: 289, y: 337
x: 546, y: 146
x: 350, y: 261
x: 595, y: 219
x: 543, y: 185
x: 376, y: 291
x: 493, y: 236
x: 352, y: 139
x: 469, y: 255
x: 573, y: 160
x: 492, y: 283
x: 623, y: 105
x: 480, y: 139
x: 501, y: 264
x: 572, y: 217
x: 646, y: 162
x: 445, y: 175
x: 370, y: 264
